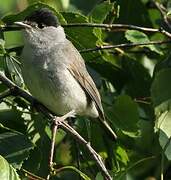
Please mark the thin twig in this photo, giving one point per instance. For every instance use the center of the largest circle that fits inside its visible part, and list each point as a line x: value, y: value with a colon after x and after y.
x: 73, y: 169
x: 5, y: 94
x: 31, y: 176
x: 124, y: 46
x: 92, y: 152
x: 62, y: 124
x: 163, y: 12
x: 162, y: 167
x: 110, y: 27
x: 54, y: 131
x: 135, y: 164
x: 114, y: 27
x: 56, y: 121
x: 15, y: 88
x: 120, y: 27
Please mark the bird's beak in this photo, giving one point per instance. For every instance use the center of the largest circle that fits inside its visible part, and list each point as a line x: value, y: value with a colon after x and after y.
x: 22, y: 24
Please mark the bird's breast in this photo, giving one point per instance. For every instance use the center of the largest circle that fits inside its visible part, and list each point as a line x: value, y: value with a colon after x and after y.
x: 48, y: 79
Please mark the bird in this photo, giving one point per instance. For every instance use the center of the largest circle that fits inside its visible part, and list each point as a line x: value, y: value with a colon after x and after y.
x: 55, y: 72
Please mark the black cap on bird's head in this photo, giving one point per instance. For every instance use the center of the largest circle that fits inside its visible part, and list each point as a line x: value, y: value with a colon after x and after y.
x: 41, y: 26
x: 43, y: 18
x: 40, y: 18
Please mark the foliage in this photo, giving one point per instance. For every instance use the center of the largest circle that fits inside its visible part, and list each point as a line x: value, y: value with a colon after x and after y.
x: 134, y: 83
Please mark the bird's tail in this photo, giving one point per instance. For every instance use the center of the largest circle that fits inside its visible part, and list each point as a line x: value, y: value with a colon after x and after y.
x: 107, y: 129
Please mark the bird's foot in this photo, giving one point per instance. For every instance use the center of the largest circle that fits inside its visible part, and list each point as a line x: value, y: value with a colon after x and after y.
x: 70, y: 114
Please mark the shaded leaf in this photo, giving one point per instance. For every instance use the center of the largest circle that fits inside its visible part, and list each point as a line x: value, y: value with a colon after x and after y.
x: 100, y: 12
x: 99, y: 176
x: 136, y: 87
x: 165, y: 142
x: 14, y: 147
x: 12, y: 118
x: 85, y: 6
x: 161, y: 89
x: 39, y: 156
x: 80, y: 36
x: 124, y: 114
x: 161, y: 96
x: 133, y: 12
x: 14, y: 70
x: 84, y: 176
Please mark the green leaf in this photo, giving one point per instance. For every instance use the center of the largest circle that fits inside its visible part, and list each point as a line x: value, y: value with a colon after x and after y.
x: 98, y: 15
x: 132, y: 70
x: 161, y: 88
x: 122, y: 155
x: 2, y: 43
x: 11, y: 117
x: 14, y: 147
x: 124, y: 114
x: 163, y: 64
x: 135, y: 36
x: 80, y: 36
x: 85, y: 6
x: 58, y: 5
x: 7, y: 172
x: 99, y: 176
x: 84, y: 176
x: 37, y: 161
x: 2, y: 47
x: 20, y: 16
x: 100, y: 12
x: 133, y: 12
x: 14, y: 69
x: 165, y: 141
x: 161, y: 97
x: 169, y: 13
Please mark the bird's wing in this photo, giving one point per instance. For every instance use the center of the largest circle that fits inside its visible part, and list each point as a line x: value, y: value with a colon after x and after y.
x: 78, y: 69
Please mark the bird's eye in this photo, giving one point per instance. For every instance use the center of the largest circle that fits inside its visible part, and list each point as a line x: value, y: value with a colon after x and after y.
x: 41, y: 25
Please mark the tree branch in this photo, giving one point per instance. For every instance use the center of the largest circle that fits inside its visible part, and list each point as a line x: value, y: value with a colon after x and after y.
x: 31, y: 176
x: 119, y: 27
x: 123, y: 46
x: 110, y: 27
x: 163, y: 12
x: 62, y: 124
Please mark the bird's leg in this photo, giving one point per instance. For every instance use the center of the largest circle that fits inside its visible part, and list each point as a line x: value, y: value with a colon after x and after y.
x: 56, y: 122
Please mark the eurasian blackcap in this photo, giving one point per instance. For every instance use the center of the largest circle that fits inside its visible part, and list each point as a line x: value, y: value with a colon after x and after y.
x: 55, y: 72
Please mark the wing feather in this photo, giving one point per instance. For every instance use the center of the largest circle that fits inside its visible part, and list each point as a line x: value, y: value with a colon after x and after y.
x: 78, y: 69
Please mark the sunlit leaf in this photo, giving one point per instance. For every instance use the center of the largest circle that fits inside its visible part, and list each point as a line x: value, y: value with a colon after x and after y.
x: 7, y: 172
x: 161, y: 96
x: 139, y: 37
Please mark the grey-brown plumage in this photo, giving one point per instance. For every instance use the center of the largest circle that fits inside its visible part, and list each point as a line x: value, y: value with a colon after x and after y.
x: 55, y: 72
